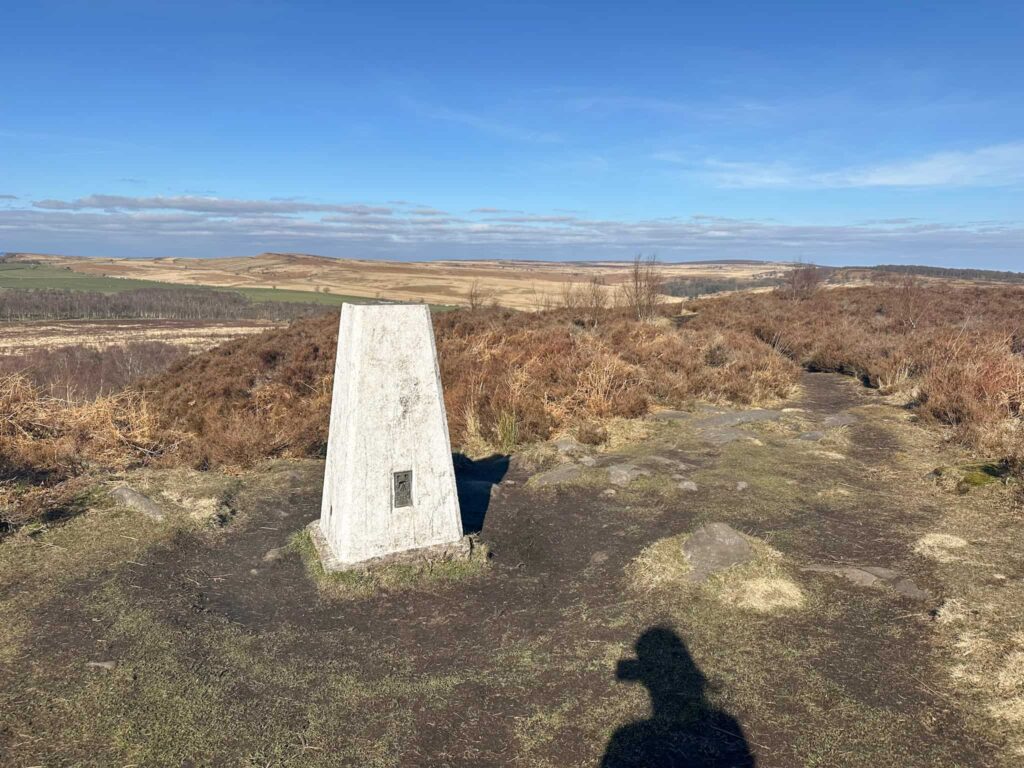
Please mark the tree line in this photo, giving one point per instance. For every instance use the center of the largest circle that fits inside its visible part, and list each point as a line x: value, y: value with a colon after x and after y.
x: 146, y: 304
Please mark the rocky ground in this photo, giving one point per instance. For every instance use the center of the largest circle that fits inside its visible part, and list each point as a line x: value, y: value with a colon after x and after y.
x: 780, y: 587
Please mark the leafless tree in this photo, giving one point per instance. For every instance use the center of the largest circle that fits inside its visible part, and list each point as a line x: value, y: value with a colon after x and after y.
x: 642, y: 291
x: 910, y: 302
x: 803, y: 280
x: 542, y: 301
x: 570, y: 295
x: 477, y: 297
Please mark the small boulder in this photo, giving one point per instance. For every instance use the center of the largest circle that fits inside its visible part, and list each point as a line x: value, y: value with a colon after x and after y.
x: 132, y: 499
x: 569, y: 447
x: 564, y: 473
x: 275, y: 554
x: 842, y: 419
x: 874, y: 576
x: 715, y: 547
x: 624, y: 474
x: 742, y: 485
x: 688, y: 485
x: 106, y: 666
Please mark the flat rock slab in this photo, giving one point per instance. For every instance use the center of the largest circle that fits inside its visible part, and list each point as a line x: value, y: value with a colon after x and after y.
x: 624, y: 474
x: 132, y: 499
x: 715, y: 547
x: 874, y: 576
x: 563, y: 473
x: 667, y: 462
x: 569, y: 447
x: 722, y: 428
x: 840, y: 420
x: 670, y: 415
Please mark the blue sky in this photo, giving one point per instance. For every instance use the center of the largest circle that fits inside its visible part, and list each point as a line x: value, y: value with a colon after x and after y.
x: 830, y: 132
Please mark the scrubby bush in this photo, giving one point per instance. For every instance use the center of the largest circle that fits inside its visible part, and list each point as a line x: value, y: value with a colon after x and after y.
x: 509, y: 378
x: 953, y: 353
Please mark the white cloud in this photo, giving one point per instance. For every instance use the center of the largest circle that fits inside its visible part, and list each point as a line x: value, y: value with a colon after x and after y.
x: 993, y: 166
x: 105, y: 224
x: 208, y: 205
x: 500, y: 128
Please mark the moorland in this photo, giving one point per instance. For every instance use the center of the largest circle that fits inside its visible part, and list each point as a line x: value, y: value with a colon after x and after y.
x: 862, y: 433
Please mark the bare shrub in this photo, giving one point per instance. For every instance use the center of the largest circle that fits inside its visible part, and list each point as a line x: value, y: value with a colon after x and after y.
x: 571, y: 295
x: 477, y: 297
x: 594, y: 299
x: 48, y: 446
x: 77, y: 372
x: 804, y: 280
x: 641, y: 293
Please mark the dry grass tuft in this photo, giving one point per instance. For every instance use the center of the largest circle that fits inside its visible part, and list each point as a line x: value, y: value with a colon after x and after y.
x: 762, y: 585
x: 764, y: 595
x: 49, y: 447
x: 940, y: 547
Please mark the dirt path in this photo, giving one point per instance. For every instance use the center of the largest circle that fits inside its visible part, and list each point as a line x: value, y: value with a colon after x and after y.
x: 225, y: 653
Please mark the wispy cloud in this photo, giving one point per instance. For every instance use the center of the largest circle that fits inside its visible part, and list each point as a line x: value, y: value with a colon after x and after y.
x: 208, y: 205
x: 8, y: 197
x: 992, y: 166
x: 144, y: 225
x: 704, y: 111
x: 494, y: 126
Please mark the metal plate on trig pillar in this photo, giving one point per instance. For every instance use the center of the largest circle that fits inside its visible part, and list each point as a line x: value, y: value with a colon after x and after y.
x: 403, y: 489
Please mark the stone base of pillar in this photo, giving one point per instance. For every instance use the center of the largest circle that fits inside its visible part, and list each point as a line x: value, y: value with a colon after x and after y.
x: 457, y: 550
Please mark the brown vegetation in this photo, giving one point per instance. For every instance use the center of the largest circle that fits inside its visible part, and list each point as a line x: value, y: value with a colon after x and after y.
x: 953, y: 354
x: 172, y: 303
x: 77, y: 372
x: 509, y: 378
x: 48, y: 446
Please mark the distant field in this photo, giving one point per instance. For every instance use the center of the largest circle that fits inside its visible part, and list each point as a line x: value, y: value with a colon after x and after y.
x: 305, y: 278
x: 45, y: 276
x: 17, y: 338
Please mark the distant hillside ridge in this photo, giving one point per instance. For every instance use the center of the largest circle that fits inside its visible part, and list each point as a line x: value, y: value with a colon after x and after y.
x: 956, y: 273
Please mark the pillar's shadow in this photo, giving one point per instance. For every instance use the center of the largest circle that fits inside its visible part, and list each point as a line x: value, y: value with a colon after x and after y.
x: 474, y: 481
x: 684, y: 729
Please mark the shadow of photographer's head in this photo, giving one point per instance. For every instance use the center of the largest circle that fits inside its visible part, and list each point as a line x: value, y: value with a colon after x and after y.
x: 664, y: 666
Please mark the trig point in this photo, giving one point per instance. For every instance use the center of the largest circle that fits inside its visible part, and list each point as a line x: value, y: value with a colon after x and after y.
x: 389, y: 486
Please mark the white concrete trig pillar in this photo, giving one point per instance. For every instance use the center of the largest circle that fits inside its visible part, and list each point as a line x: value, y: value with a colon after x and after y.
x: 389, y: 484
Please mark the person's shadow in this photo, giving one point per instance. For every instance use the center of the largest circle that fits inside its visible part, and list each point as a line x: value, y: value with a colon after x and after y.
x: 684, y: 730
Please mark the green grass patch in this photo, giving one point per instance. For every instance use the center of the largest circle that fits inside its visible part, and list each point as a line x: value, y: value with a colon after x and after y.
x: 45, y: 277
